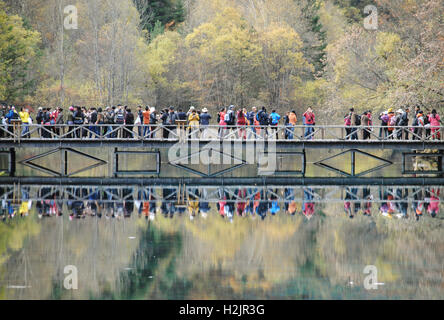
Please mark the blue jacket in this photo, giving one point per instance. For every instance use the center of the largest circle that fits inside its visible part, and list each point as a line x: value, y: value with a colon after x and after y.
x: 275, y: 118
x: 10, y: 115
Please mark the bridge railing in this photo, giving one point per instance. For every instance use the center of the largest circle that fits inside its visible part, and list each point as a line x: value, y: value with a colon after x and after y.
x: 19, y: 132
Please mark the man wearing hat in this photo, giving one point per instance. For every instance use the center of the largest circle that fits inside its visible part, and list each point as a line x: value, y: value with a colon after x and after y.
x: 205, y: 119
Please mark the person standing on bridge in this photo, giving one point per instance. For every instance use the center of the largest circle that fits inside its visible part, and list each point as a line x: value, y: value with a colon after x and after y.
x: 242, y: 124
x: 170, y: 122
x: 383, y: 132
x: 119, y: 119
x: 139, y: 122
x: 153, y: 122
x: 146, y: 122
x: 391, y: 123
x: 92, y: 119
x: 309, y: 123
x: 274, y: 122
x: 129, y: 124
x: 418, y: 124
x: 47, y: 123
x: 230, y: 118
x: 355, y: 121
x: 12, y: 116
x: 70, y: 122
x: 205, y: 119
x: 264, y: 120
x: 435, y: 122
x: 193, y: 125
x: 24, y: 116
x: 109, y: 121
x: 222, y: 123
x: 58, y: 117
x: 292, y: 121
x: 251, y: 116
x: 365, y: 126
x: 404, y: 122
x: 79, y: 119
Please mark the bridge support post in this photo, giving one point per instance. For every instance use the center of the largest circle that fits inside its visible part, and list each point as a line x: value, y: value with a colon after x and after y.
x: 12, y: 165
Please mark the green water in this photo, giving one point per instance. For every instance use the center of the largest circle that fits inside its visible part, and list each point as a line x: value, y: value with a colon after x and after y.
x: 127, y: 246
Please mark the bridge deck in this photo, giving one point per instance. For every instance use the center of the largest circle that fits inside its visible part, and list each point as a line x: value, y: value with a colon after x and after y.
x: 284, y: 144
x: 221, y: 181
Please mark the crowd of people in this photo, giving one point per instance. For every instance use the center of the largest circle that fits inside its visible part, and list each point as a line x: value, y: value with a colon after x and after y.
x: 399, y: 125
x: 82, y: 202
x: 149, y: 123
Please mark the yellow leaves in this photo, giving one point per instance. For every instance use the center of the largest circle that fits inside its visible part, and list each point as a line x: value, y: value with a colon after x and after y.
x: 387, y: 43
x: 312, y: 92
x: 161, y: 54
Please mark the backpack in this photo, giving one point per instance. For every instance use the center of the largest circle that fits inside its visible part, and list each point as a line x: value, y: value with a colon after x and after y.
x: 229, y: 118
x: 15, y: 116
x: 392, y: 121
x: 358, y: 120
x: 120, y: 118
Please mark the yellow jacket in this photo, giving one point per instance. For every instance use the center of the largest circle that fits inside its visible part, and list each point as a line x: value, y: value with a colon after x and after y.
x: 24, y: 116
x: 193, y: 120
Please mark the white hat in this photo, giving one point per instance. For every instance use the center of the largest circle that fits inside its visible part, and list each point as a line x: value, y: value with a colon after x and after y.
x: 152, y: 109
x: 205, y: 110
x: 192, y: 108
x: 400, y: 111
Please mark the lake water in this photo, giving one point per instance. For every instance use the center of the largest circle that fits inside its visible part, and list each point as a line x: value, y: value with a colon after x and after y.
x: 275, y: 242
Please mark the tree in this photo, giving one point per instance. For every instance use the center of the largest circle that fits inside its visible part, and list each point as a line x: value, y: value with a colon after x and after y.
x: 165, y: 11
x: 283, y: 64
x: 18, y: 52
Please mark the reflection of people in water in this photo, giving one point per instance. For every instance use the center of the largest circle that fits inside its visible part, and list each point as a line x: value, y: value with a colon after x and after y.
x: 418, y: 203
x: 77, y: 207
x: 92, y: 205
x: 402, y: 204
x: 384, y: 208
x: 128, y: 203
x: 241, y: 202
x: 26, y: 203
x: 274, y: 206
x: 168, y: 206
x: 262, y: 205
x: 290, y: 203
x: 49, y: 206
x: 308, y: 206
x: 432, y: 201
x: 225, y: 205
x: 117, y: 202
x: 352, y: 204
x: 204, y: 205
x: 146, y: 204
x: 368, y: 200
x: 249, y: 207
x: 193, y: 203
x: 111, y: 194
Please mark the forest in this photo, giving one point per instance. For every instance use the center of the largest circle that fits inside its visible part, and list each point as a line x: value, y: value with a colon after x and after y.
x: 283, y: 54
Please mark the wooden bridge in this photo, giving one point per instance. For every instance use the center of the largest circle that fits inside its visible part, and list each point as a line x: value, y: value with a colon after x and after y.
x: 159, y: 136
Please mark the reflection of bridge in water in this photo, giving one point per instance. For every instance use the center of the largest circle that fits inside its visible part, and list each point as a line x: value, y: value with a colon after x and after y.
x: 82, y: 201
x: 212, y: 194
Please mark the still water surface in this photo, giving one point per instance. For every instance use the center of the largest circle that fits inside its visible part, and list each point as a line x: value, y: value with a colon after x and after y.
x: 221, y: 243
